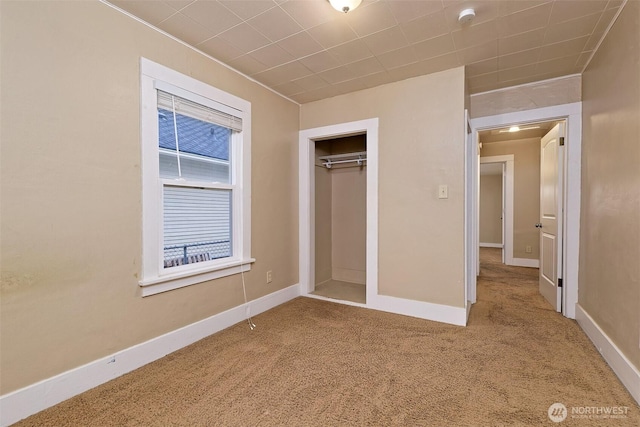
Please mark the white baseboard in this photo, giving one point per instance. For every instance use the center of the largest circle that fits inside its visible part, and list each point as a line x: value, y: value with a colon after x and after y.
x: 628, y: 374
x: 491, y: 245
x: 34, y: 398
x: 525, y: 262
x: 423, y: 310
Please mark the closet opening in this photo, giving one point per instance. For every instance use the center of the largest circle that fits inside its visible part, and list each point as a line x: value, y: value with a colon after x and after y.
x: 340, y: 175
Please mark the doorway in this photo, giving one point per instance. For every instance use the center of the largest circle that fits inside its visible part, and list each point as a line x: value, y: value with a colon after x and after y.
x: 308, y: 231
x: 570, y: 202
x: 340, y: 172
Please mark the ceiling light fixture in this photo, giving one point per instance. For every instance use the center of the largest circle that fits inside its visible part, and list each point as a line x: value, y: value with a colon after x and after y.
x: 345, y: 5
x: 517, y: 129
x: 466, y: 16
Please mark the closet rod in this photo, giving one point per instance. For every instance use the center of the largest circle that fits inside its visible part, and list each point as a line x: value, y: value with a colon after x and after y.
x: 336, y: 159
x: 330, y: 163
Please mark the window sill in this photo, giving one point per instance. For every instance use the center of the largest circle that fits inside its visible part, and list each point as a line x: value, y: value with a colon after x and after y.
x: 170, y: 282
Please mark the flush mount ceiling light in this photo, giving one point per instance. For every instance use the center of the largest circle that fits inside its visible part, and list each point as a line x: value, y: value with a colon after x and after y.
x: 466, y: 16
x: 517, y: 129
x: 345, y: 5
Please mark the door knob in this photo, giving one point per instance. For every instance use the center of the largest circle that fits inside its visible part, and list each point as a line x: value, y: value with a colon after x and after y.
x: 538, y: 225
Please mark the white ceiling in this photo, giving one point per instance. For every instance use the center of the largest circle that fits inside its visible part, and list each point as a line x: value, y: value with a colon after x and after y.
x: 306, y: 50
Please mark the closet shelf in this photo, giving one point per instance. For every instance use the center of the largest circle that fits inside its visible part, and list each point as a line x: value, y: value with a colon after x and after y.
x: 336, y: 159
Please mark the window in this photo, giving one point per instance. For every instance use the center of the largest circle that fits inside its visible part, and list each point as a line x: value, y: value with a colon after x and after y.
x: 196, y: 181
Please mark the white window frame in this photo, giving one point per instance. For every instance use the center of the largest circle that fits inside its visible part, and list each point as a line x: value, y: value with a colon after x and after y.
x: 156, y: 278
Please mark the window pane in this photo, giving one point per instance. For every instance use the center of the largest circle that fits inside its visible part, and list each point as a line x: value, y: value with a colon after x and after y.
x: 197, y: 225
x: 201, y: 151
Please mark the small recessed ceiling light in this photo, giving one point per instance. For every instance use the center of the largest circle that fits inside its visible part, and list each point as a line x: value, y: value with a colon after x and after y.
x: 514, y: 128
x: 466, y: 16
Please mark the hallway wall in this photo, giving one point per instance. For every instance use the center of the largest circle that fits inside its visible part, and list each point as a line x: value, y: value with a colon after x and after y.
x: 526, y: 189
x: 490, y: 209
x: 609, y: 281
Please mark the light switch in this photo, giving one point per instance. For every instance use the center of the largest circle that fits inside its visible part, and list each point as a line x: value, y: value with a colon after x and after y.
x: 443, y: 192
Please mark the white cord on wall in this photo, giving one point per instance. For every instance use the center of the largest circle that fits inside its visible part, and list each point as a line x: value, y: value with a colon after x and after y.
x: 252, y: 325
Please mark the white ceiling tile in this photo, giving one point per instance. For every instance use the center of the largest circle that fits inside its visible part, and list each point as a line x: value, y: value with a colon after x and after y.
x: 275, y: 23
x: 440, y: 63
x: 366, y: 66
x: 516, y: 72
x: 287, y: 41
x: 566, y: 48
x: 566, y: 63
x: 247, y: 9
x: 482, y: 67
x: 398, y: 58
x: 524, y: 20
x: 376, y: 79
x: 288, y: 88
x: 320, y: 61
x: 212, y: 15
x: 245, y: 37
x: 248, y: 65
x: 575, y: 28
x: 220, y: 49
x: 509, y: 7
x: 475, y: 35
x: 352, y: 51
x: 519, y: 59
x: 175, y: 4
x: 483, y: 80
x: 309, y: 13
x: 566, y: 10
x: 272, y: 55
x: 332, y: 33
x: 433, y: 47
x: 371, y: 18
x: 282, y: 74
x: 349, y: 86
x: 520, y: 42
x: 186, y: 29
x: 311, y: 82
x: 408, y: 10
x: 337, y: 75
x: 479, y: 53
x: 425, y: 27
x: 300, y: 45
x: 151, y: 13
x: 386, y: 40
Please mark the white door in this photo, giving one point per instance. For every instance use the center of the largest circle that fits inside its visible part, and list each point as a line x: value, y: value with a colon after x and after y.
x: 550, y: 225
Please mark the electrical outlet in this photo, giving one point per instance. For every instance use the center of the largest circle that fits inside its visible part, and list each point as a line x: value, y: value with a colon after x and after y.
x: 528, y: 249
x: 269, y: 276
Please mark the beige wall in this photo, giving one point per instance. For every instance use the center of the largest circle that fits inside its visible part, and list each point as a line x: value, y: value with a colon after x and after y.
x: 71, y: 189
x: 421, y: 145
x: 323, y: 224
x: 609, y: 280
x: 490, y: 209
x: 564, y: 90
x: 340, y: 214
x: 349, y: 214
x: 526, y: 189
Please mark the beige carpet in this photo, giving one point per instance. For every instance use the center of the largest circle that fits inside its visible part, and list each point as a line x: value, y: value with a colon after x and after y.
x: 319, y: 363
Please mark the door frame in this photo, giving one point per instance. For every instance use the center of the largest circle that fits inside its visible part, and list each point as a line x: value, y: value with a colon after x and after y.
x: 572, y: 113
x: 507, y: 197
x: 306, y: 194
